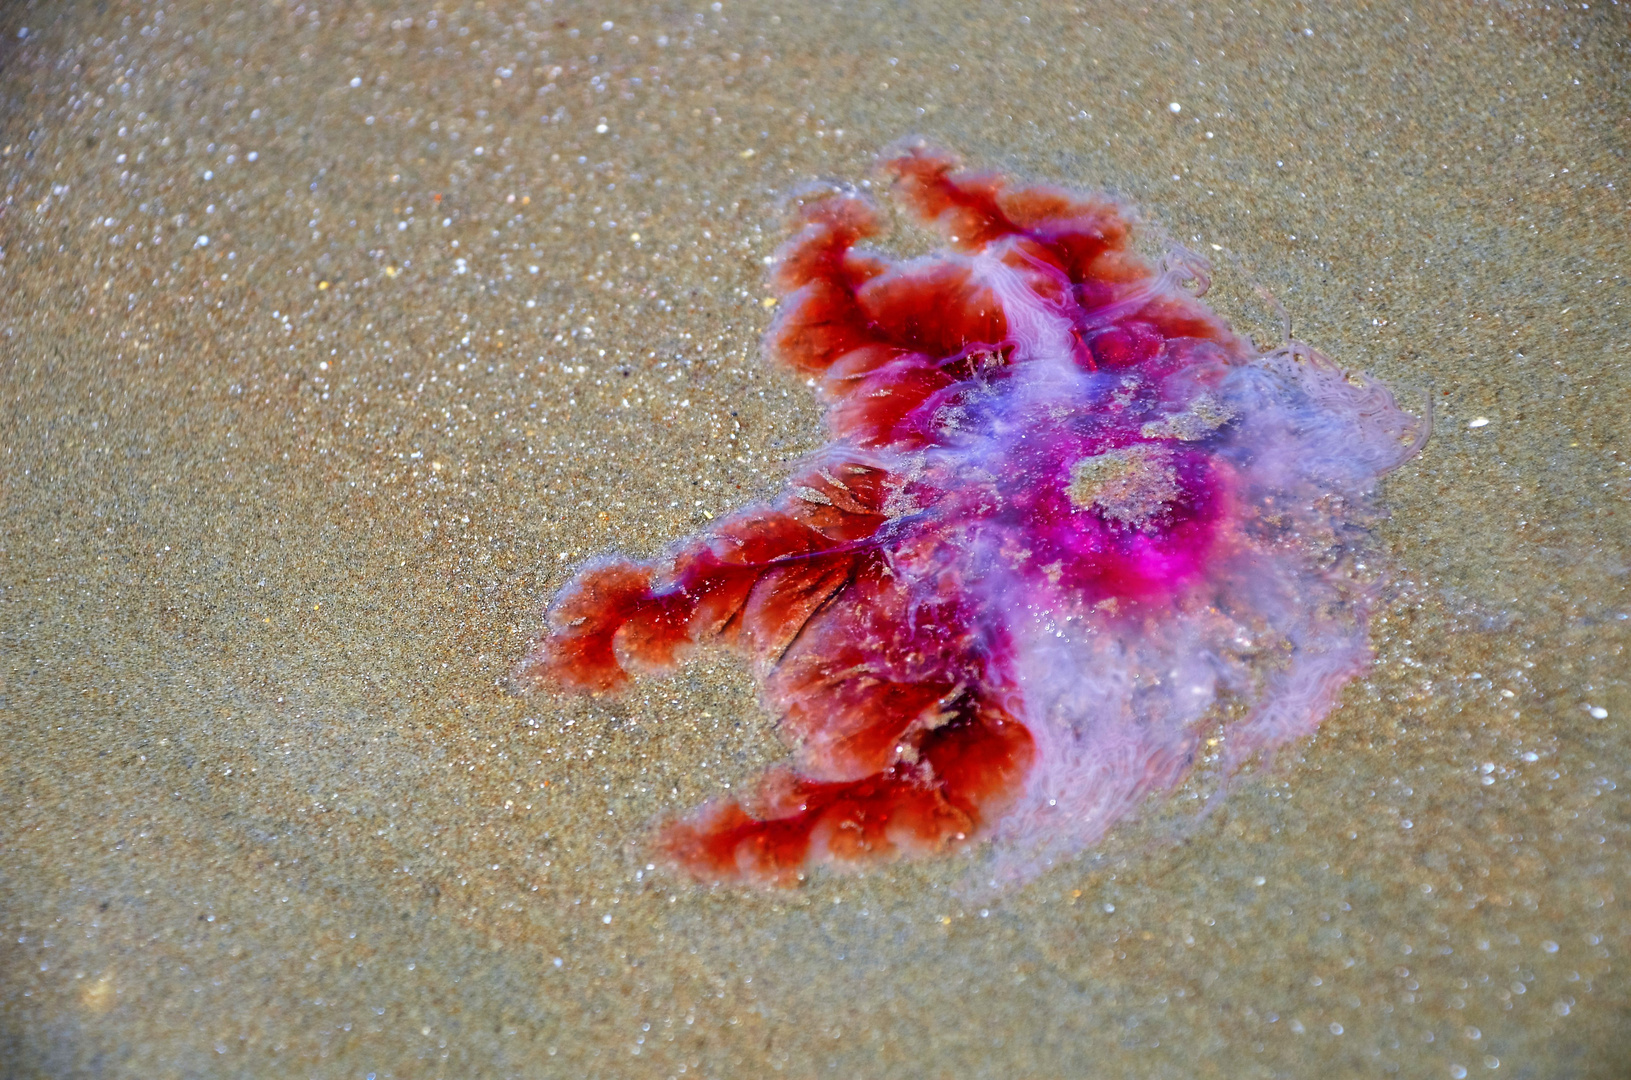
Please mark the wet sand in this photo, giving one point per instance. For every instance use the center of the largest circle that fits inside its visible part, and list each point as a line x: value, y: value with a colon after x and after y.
x: 332, y: 337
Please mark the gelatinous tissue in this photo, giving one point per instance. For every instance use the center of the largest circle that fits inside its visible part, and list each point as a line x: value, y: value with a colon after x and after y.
x: 1071, y: 534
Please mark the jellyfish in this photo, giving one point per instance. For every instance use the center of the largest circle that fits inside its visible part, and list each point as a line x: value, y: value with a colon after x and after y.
x: 1070, y: 535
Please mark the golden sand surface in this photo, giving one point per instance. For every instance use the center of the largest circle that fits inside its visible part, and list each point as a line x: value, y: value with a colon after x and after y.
x: 332, y: 335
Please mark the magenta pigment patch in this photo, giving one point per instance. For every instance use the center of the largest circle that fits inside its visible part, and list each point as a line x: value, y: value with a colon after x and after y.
x: 1071, y: 534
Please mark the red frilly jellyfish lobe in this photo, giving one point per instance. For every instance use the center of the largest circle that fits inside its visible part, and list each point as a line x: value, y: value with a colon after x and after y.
x: 1065, y: 513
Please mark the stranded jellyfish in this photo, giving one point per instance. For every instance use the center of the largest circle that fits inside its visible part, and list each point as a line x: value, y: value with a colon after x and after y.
x: 1070, y: 533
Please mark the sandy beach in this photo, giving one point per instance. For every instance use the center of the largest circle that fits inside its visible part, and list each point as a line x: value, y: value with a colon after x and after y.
x: 333, y: 337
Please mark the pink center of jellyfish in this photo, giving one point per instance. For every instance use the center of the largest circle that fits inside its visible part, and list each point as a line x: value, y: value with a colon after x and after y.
x: 1065, y: 512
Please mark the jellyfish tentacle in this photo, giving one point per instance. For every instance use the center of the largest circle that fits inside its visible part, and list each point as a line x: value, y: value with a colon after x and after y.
x: 1069, y: 247
x: 875, y: 334
x: 961, y: 777
x: 753, y: 580
x: 1087, y: 237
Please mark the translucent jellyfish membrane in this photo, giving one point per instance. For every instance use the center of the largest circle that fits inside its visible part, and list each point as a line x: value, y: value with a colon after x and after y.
x: 1069, y: 526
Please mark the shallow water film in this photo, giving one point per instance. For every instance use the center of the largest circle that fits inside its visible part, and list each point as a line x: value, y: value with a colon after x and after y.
x: 335, y: 342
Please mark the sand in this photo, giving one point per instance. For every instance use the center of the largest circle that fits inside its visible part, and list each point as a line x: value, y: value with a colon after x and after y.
x: 333, y: 335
